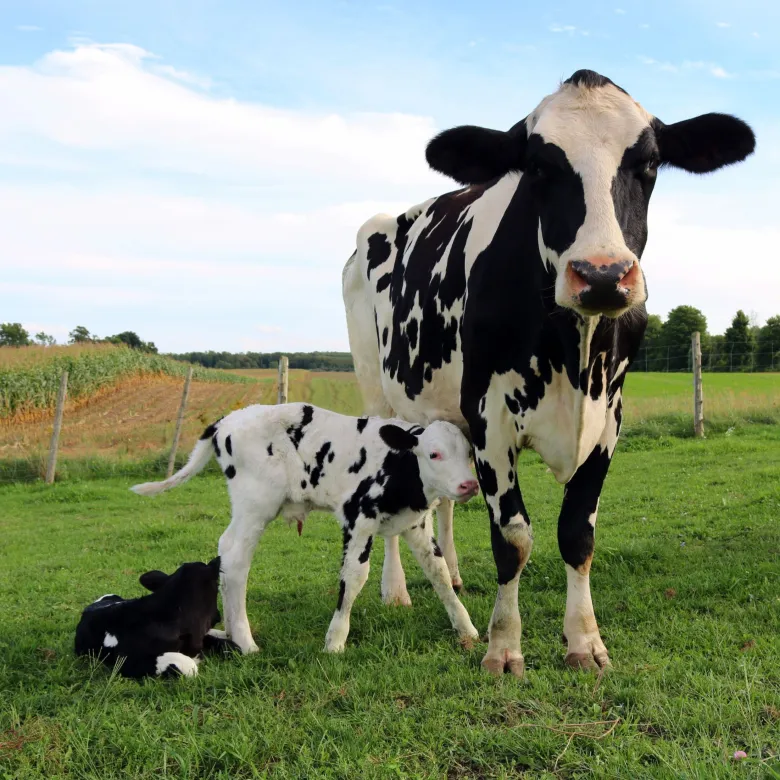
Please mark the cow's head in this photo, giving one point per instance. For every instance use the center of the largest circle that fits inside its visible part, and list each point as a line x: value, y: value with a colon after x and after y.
x: 589, y: 154
x: 443, y: 455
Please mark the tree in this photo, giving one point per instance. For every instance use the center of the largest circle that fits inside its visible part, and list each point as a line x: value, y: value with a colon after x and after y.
x: 768, y: 344
x: 45, y: 340
x: 12, y: 334
x: 80, y: 335
x: 676, y: 333
x: 738, y: 342
x: 133, y: 341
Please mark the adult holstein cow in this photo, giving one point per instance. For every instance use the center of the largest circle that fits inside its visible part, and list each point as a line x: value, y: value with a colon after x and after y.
x: 513, y: 307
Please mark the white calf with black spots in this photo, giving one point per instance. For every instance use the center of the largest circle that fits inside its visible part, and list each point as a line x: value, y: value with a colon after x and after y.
x: 378, y: 476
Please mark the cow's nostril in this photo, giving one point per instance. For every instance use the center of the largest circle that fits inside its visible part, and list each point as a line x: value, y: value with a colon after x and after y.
x: 469, y: 486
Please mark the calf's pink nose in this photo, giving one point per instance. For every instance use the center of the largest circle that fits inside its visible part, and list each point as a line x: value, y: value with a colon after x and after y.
x: 469, y: 486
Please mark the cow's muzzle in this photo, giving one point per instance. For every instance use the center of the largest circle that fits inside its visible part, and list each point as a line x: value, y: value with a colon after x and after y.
x: 602, y: 285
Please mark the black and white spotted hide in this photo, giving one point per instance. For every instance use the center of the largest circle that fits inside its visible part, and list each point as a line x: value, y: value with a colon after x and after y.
x: 162, y: 634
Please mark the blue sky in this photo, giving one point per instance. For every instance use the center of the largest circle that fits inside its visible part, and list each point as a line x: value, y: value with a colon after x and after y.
x: 197, y: 171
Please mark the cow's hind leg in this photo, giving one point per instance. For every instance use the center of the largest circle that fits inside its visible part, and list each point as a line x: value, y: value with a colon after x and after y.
x: 354, y: 573
x: 576, y: 536
x: 364, y: 346
x: 445, y: 512
x: 429, y: 556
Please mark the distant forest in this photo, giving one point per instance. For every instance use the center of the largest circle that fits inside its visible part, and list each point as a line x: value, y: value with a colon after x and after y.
x: 312, y: 361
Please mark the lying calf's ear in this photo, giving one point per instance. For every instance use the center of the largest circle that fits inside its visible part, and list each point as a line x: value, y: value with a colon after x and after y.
x: 215, y: 564
x: 153, y: 580
x: 397, y: 438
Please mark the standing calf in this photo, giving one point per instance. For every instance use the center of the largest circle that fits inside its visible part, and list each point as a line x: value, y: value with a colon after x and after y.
x: 160, y: 634
x: 377, y: 476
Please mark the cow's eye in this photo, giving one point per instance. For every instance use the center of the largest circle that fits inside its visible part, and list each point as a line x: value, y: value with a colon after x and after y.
x: 648, y: 167
x: 435, y: 456
x: 535, y: 170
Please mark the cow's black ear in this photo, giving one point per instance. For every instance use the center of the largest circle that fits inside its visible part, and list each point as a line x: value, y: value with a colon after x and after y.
x: 153, y: 580
x: 397, y: 438
x: 475, y: 155
x: 704, y: 143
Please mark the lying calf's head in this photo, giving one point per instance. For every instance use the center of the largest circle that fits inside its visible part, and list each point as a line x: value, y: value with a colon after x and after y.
x: 193, y: 587
x: 442, y: 453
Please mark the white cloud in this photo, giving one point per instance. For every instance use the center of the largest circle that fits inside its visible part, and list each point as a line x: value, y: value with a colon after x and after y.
x: 115, y: 97
x: 563, y: 28
x: 756, y: 35
x: 723, y: 24
x: 665, y: 66
x: 644, y: 26
x: 712, y: 67
x: 28, y: 28
x: 620, y: 11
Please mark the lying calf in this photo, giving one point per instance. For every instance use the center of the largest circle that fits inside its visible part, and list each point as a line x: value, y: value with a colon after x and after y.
x: 377, y: 476
x: 160, y: 634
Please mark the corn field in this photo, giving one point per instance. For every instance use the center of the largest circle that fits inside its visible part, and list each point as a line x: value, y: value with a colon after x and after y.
x: 29, y: 382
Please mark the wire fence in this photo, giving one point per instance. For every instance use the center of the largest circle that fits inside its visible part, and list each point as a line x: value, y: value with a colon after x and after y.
x: 743, y: 357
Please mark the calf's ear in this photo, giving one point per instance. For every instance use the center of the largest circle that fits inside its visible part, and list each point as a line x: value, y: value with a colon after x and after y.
x: 214, y: 564
x: 475, y: 155
x: 704, y: 143
x: 397, y: 438
x: 153, y: 580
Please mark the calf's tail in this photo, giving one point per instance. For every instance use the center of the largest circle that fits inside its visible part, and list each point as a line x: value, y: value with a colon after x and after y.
x: 199, y: 457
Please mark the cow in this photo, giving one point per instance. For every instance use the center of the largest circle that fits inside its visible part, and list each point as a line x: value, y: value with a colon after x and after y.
x: 164, y: 633
x: 513, y: 306
x: 378, y: 476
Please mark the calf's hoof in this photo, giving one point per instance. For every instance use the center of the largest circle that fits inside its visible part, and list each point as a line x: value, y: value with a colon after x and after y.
x: 176, y: 665
x: 249, y: 649
x: 335, y: 647
x: 498, y: 662
x: 593, y: 662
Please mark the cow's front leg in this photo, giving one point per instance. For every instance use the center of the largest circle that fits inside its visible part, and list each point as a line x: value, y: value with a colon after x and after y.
x: 576, y: 531
x: 393, y: 578
x: 511, y: 540
x: 429, y: 556
x: 445, y: 512
x: 354, y: 573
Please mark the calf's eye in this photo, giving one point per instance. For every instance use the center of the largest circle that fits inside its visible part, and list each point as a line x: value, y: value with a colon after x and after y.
x: 435, y: 456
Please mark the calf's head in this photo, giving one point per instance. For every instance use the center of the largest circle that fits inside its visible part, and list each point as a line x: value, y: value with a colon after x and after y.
x: 442, y: 453
x: 589, y: 155
x: 192, y: 589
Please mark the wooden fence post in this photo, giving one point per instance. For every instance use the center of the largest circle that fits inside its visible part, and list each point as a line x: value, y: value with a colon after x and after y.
x: 281, y: 397
x: 179, y: 421
x: 698, y: 398
x: 51, y: 465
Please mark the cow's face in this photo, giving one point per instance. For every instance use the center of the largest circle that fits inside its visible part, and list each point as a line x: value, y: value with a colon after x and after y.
x: 588, y: 155
x: 442, y: 453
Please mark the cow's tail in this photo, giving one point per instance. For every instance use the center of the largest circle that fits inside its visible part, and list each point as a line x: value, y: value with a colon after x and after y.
x: 199, y: 457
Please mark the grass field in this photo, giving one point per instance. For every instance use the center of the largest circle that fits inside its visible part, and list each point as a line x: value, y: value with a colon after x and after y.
x: 686, y: 581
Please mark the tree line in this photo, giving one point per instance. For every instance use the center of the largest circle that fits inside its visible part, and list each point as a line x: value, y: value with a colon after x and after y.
x: 744, y: 346
x: 666, y: 346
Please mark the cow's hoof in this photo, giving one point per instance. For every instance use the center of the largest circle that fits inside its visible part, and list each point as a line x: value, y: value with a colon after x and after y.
x: 397, y: 600
x: 335, y: 647
x: 457, y: 585
x: 504, y: 661
x: 249, y: 649
x: 467, y: 640
x: 592, y: 662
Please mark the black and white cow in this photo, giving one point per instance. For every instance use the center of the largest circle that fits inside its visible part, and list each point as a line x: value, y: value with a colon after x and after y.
x: 513, y: 307
x: 377, y: 476
x: 163, y: 633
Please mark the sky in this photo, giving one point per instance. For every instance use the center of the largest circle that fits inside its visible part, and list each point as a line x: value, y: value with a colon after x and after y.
x: 197, y: 171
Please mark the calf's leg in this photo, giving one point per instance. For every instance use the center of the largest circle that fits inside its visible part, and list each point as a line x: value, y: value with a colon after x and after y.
x: 428, y: 554
x: 354, y: 573
x: 393, y: 578
x: 236, y: 547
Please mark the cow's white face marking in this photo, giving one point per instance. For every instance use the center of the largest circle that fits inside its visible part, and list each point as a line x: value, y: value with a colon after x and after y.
x: 594, y: 128
x: 110, y: 640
